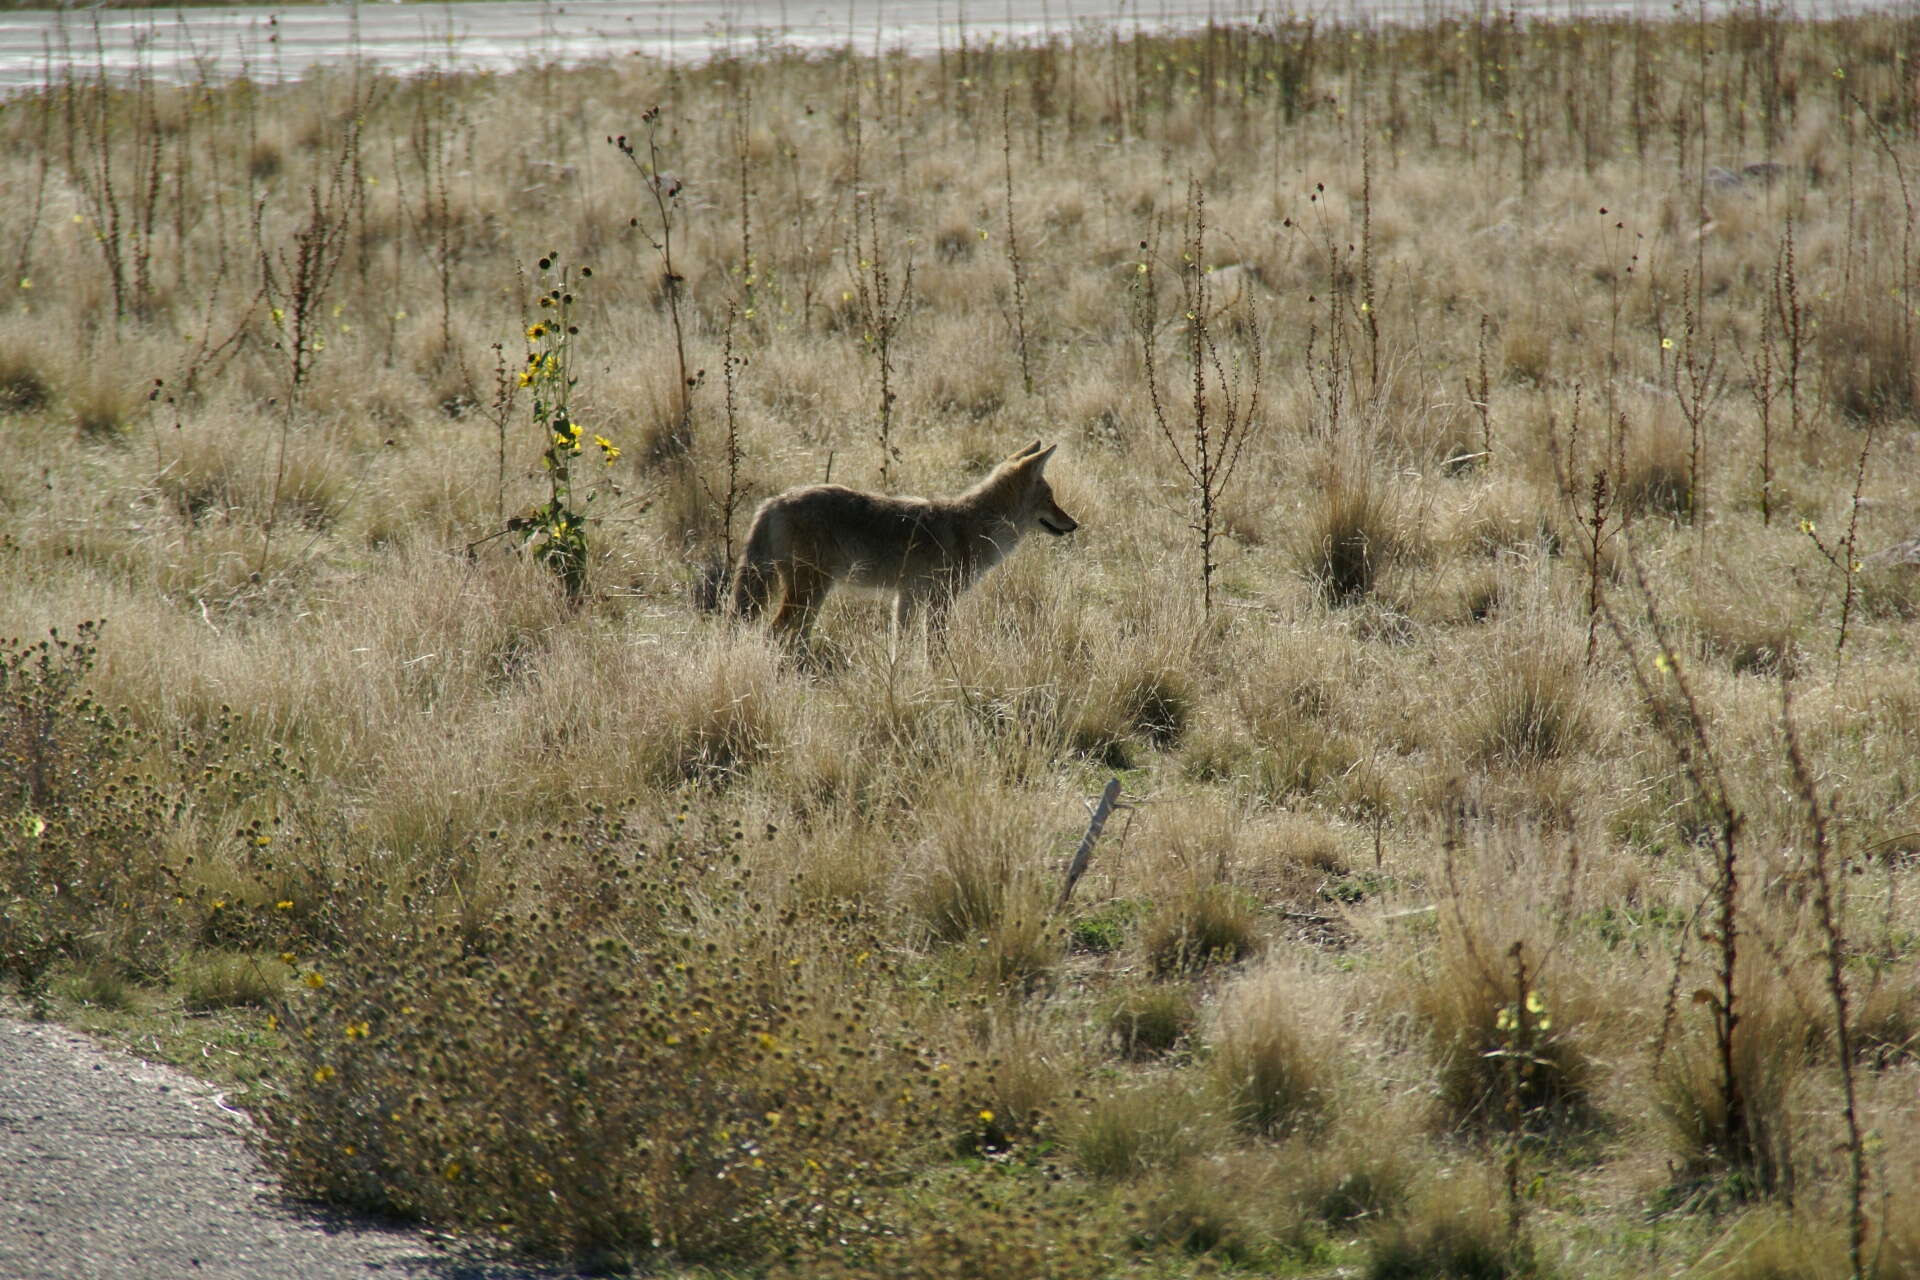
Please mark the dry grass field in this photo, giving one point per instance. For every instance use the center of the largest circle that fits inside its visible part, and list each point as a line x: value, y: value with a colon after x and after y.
x: 1492, y: 445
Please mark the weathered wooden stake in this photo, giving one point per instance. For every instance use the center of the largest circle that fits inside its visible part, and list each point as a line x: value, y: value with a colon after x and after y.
x: 1085, y: 852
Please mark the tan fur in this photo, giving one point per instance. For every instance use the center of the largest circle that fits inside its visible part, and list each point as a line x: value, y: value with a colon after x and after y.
x: 924, y: 550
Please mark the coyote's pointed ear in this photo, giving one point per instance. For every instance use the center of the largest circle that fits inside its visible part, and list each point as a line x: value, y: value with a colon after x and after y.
x: 1037, y: 460
x: 1031, y: 449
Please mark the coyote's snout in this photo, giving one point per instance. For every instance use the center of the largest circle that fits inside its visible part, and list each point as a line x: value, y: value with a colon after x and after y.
x: 925, y: 550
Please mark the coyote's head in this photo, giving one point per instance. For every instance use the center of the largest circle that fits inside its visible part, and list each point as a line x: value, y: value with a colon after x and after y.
x: 1030, y: 498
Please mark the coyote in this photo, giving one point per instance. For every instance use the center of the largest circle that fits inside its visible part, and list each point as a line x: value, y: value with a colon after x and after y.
x: 925, y: 550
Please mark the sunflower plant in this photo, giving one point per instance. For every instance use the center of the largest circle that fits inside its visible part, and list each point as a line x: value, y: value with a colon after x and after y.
x: 557, y: 528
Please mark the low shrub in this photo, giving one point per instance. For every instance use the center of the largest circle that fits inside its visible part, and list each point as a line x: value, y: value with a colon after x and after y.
x: 79, y: 874
x: 603, y: 1087
x: 984, y: 1222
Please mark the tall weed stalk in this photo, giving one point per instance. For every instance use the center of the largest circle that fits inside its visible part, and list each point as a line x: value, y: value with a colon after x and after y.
x: 1225, y: 395
x: 1738, y: 1144
x: 665, y: 189
x: 881, y: 298
x: 1014, y: 263
x: 1819, y: 818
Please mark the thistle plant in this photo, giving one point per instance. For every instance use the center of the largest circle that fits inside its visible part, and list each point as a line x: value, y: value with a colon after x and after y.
x: 880, y: 300
x: 557, y: 528
x: 1844, y: 553
x: 1226, y: 388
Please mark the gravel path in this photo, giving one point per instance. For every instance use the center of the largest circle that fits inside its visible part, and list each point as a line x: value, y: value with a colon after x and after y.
x: 114, y: 1167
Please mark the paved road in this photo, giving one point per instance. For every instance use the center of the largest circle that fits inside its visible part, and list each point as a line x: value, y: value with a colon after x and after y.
x: 116, y: 1169
x: 285, y: 42
x: 186, y: 44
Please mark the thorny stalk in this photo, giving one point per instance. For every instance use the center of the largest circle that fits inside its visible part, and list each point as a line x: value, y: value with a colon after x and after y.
x: 1225, y: 403
x: 1833, y: 949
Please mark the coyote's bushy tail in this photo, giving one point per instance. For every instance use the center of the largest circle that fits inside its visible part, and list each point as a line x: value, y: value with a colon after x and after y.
x: 758, y: 569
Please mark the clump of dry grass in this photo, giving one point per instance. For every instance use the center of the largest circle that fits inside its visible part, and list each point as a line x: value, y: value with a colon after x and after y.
x: 1508, y: 1025
x: 1200, y: 925
x: 1237, y: 1208
x: 1151, y: 1020
x: 1867, y: 359
x: 1363, y: 1172
x: 1534, y: 710
x: 1484, y: 1073
x: 1274, y: 1069
x: 102, y: 407
x: 24, y: 387
x: 1156, y: 1124
x: 1024, y: 946
x: 1719, y: 1158
x: 224, y: 980
x: 974, y: 874
x: 1452, y: 1230
x: 1744, y: 626
x: 1350, y: 537
x: 1656, y: 475
x: 1154, y: 705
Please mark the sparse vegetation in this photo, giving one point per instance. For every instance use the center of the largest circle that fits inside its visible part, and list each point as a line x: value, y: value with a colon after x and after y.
x: 1474, y: 427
